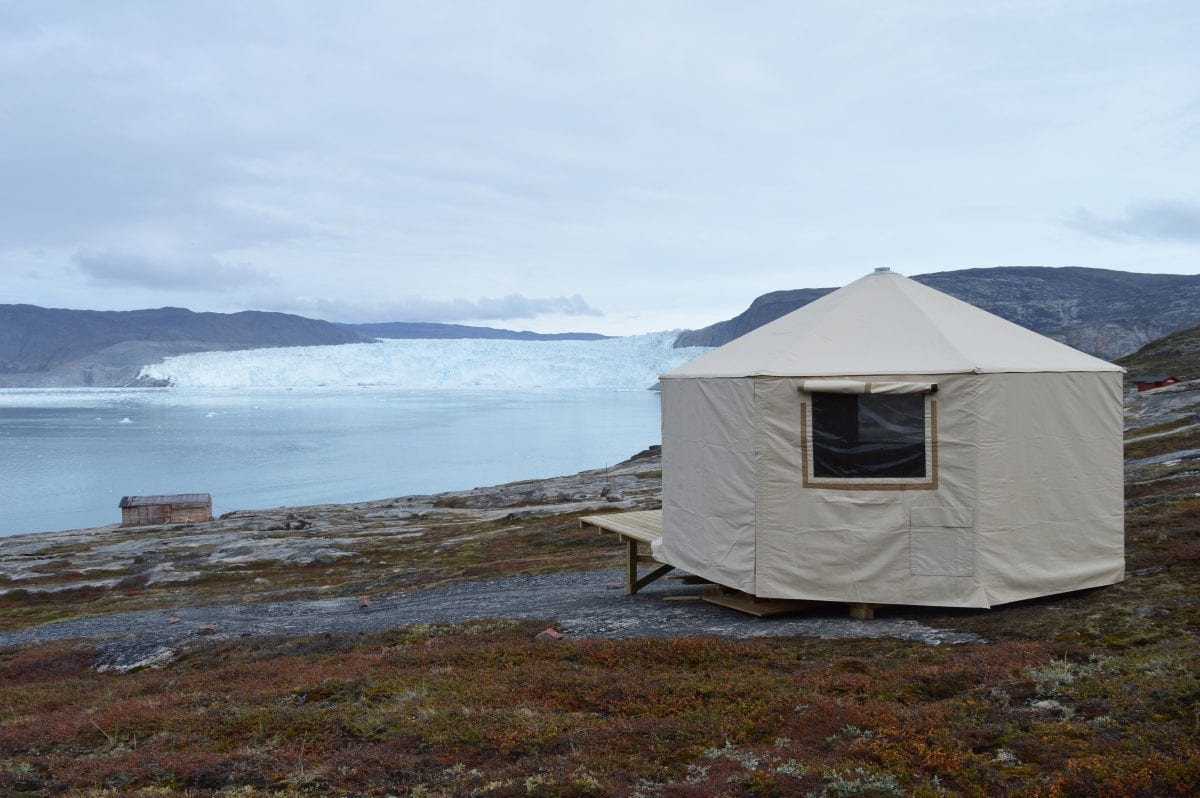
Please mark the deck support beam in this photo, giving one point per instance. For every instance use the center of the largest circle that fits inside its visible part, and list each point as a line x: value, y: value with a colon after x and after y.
x: 635, y: 529
x: 640, y: 583
x: 862, y: 612
x: 633, y: 582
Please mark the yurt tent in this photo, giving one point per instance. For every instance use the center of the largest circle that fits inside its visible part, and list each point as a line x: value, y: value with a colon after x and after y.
x: 890, y: 444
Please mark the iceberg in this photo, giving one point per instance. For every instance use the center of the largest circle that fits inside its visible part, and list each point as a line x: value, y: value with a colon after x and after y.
x: 632, y: 362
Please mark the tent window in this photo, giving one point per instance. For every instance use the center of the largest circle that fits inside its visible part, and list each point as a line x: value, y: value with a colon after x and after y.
x: 871, y: 437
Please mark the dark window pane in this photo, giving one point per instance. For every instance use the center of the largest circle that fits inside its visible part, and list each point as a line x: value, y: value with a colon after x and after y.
x: 859, y: 436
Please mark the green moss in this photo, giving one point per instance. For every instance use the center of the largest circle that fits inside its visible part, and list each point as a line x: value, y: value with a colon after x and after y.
x: 1156, y: 429
x: 1187, y: 438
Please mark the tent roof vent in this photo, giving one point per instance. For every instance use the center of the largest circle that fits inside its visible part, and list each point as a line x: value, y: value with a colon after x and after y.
x: 883, y: 270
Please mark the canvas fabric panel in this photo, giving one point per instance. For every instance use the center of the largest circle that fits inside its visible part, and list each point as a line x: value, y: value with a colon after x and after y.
x: 708, y: 480
x: 1051, y: 486
x: 941, y: 541
x: 835, y: 544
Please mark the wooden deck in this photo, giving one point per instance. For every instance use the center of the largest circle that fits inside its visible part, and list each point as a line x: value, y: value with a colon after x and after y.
x: 638, y: 529
x: 753, y: 605
x: 641, y: 525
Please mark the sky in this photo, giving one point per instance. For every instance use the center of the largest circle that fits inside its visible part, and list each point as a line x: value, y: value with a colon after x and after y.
x: 617, y: 167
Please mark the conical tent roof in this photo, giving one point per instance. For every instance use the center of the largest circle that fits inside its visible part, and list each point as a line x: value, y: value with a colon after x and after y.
x: 885, y: 323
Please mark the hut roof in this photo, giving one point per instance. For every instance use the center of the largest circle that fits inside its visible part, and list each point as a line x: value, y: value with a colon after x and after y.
x: 165, y: 498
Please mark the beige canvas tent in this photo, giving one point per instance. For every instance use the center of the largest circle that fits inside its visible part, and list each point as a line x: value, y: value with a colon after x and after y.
x: 890, y: 444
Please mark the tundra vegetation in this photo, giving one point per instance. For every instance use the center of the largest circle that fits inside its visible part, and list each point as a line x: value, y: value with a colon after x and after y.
x: 1091, y: 693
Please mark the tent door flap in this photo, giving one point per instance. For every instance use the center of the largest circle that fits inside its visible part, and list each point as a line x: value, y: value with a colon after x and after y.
x: 941, y: 541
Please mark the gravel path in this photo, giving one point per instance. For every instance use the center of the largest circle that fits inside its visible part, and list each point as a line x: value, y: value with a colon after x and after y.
x: 1154, y: 435
x: 580, y: 605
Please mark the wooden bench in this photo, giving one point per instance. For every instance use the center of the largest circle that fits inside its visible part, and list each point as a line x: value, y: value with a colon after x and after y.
x: 637, y: 528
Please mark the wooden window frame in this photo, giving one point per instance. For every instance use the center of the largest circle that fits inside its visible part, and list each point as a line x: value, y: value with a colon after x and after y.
x: 929, y: 482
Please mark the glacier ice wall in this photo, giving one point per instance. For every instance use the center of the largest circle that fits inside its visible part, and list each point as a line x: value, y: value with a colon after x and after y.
x: 628, y: 362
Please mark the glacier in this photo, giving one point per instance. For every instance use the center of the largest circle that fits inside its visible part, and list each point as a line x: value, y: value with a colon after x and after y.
x: 632, y: 362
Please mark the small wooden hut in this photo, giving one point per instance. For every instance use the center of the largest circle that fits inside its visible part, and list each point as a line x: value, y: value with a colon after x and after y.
x: 178, y: 508
x: 1150, y: 382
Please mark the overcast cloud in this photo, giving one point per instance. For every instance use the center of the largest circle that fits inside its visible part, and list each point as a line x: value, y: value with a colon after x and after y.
x: 169, y: 272
x: 416, y: 308
x: 664, y: 162
x: 1164, y: 220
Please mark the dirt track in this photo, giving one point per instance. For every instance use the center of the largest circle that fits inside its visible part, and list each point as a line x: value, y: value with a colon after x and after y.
x: 578, y: 604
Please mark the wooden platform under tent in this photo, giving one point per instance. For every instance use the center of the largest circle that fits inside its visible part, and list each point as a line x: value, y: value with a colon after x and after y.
x: 639, y: 529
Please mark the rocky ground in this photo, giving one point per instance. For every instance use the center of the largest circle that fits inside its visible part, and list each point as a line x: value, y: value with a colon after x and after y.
x: 1162, y: 438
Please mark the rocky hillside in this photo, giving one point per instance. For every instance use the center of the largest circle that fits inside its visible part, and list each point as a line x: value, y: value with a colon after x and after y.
x: 1107, y: 313
x: 1177, y: 355
x: 766, y: 308
x: 44, y: 347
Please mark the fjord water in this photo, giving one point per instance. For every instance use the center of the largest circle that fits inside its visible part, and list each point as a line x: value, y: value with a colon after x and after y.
x: 313, y: 425
x: 69, y: 455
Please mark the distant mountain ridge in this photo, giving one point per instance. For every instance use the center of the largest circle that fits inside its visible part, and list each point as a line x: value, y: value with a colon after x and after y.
x: 1103, y: 312
x: 54, y: 347
x: 428, y: 330
x: 57, y: 347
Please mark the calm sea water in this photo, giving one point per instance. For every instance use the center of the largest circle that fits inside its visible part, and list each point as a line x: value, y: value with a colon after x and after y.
x: 68, y: 456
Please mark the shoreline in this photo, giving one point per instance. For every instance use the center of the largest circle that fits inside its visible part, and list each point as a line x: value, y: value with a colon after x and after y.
x: 309, y: 538
x: 560, y: 494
